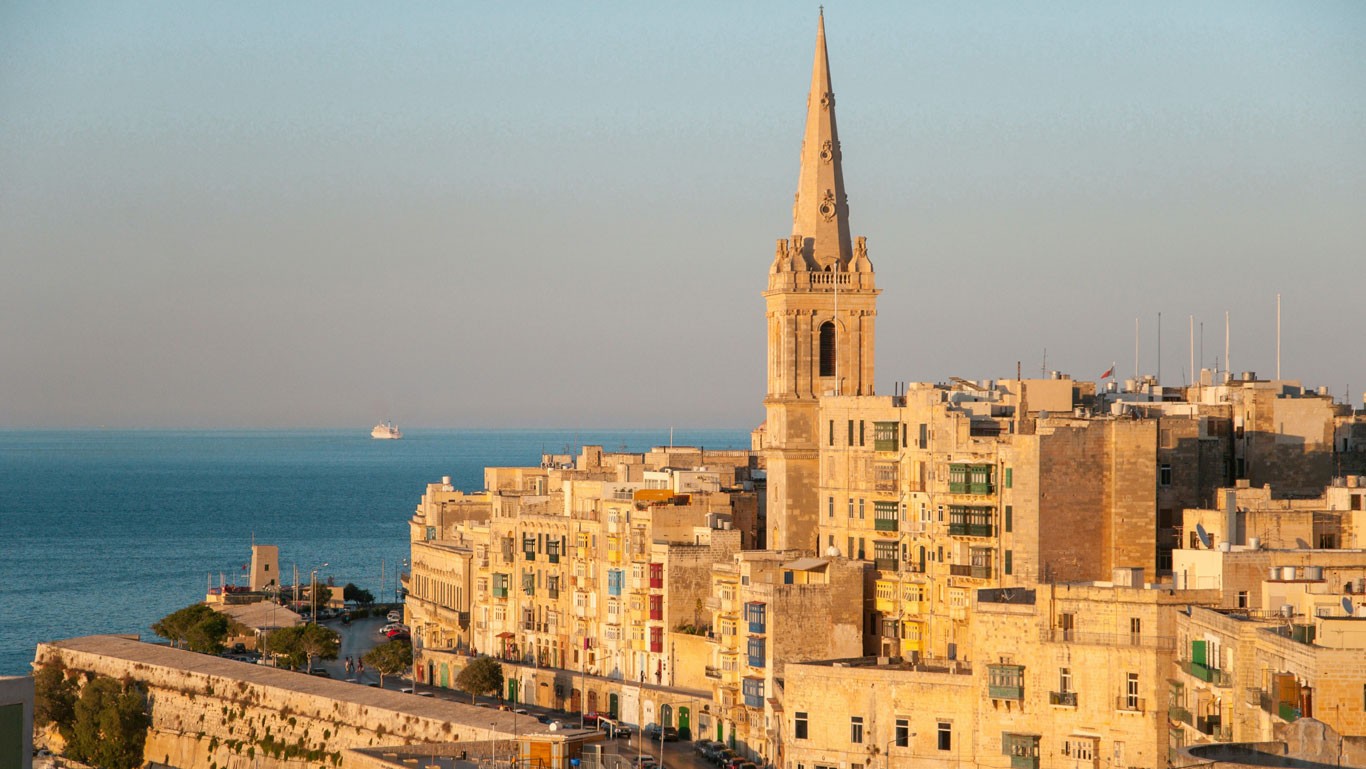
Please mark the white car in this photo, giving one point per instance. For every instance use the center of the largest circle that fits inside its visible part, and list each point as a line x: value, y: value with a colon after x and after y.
x: 394, y: 616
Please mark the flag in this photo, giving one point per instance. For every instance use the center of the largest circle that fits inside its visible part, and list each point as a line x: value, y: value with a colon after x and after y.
x: 1109, y: 372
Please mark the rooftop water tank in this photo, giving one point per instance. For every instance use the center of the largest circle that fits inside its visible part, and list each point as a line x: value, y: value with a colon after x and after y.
x: 1313, y: 573
x: 1254, y: 543
x: 1288, y: 573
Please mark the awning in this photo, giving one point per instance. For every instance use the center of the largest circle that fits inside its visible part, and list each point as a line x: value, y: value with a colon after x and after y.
x: 506, y: 635
x: 806, y: 564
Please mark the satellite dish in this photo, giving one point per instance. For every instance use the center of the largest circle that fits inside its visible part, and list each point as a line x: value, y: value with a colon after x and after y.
x: 1347, y: 605
x: 832, y: 551
x: 1203, y: 535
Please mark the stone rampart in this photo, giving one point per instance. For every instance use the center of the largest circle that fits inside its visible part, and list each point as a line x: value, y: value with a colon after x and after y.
x: 212, y: 713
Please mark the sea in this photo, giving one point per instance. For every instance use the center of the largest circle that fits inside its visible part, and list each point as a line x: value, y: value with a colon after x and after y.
x: 107, y: 531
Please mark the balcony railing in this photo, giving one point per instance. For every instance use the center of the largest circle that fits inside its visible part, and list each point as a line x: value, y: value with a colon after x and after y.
x: 976, y: 572
x: 1180, y: 714
x: 1059, y: 635
x: 1220, y: 678
x: 959, y: 529
x: 1067, y: 699
x: 885, y: 564
x: 500, y: 592
x: 885, y: 524
x: 1130, y: 703
x: 711, y: 671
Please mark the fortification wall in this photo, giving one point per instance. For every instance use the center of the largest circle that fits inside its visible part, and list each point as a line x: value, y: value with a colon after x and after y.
x: 210, y: 713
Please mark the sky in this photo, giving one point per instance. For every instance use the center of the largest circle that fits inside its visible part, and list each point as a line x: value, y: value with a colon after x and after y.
x: 325, y: 214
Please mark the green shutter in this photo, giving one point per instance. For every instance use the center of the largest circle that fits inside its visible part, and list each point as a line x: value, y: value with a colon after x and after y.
x: 1010, y: 477
x: 1198, y: 652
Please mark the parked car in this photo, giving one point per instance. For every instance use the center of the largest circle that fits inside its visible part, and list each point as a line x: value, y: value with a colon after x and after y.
x: 613, y: 728
x: 394, y: 616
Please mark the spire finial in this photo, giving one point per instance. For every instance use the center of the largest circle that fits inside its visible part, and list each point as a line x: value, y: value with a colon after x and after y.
x: 821, y: 213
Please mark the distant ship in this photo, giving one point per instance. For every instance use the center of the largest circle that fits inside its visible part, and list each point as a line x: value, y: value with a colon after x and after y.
x: 386, y: 431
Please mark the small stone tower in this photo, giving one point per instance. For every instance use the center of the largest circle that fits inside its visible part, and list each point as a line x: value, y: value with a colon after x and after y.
x: 821, y: 303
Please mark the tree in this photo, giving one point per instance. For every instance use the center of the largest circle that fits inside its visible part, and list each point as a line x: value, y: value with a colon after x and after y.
x: 54, y: 700
x: 390, y: 658
x: 110, y: 727
x: 482, y: 676
x: 358, y: 594
x: 320, y: 599
x: 195, y: 627
x: 299, y: 645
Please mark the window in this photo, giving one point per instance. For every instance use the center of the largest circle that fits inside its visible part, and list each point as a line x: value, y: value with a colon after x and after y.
x: 753, y: 689
x: 1009, y: 515
x: 851, y: 507
x: 1164, y: 475
x: 1135, y: 629
x: 860, y: 432
x: 860, y: 509
x: 945, y: 735
x: 830, y: 507
x: 851, y: 432
x: 827, y: 364
x: 1242, y: 599
x: 832, y: 432
x: 903, y: 733
x: 799, y: 726
x: 1131, y: 701
x: 861, y: 554
x: 1064, y: 679
x: 856, y: 730
x: 884, y: 436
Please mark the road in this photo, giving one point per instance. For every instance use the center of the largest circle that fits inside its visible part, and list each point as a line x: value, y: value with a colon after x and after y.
x: 362, y: 635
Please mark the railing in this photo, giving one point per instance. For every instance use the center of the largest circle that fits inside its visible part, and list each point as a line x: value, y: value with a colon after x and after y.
x: 1178, y: 713
x: 885, y: 564
x: 976, y: 572
x: 1067, y: 699
x: 884, y: 524
x: 1129, y: 703
x: 1059, y: 635
x: 711, y: 671
x: 970, y: 530
x: 1208, y: 725
x: 552, y: 557
x: 500, y: 592
x: 1219, y: 678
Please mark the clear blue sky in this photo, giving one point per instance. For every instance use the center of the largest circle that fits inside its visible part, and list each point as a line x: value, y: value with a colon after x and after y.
x: 522, y: 214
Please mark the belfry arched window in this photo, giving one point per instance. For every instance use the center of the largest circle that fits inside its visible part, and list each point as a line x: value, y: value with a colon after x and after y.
x: 827, y: 349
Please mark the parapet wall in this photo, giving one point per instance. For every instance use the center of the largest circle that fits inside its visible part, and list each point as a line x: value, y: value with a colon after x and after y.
x: 212, y: 713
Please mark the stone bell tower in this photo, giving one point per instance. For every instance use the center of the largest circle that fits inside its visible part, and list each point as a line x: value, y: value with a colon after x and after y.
x: 821, y: 303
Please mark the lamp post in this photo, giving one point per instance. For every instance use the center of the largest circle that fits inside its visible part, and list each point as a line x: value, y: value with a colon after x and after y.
x: 887, y: 749
x: 273, y: 591
x: 313, y: 591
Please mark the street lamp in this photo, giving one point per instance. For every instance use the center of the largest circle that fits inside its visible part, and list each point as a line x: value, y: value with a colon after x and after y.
x: 313, y: 591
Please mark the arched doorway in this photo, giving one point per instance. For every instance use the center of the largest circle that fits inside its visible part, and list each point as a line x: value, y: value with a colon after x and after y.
x: 445, y: 676
x: 512, y: 690
x: 575, y: 701
x: 592, y: 702
x: 612, y: 705
x: 666, y: 715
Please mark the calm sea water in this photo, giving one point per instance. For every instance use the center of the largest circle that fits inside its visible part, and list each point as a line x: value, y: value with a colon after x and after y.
x: 108, y: 531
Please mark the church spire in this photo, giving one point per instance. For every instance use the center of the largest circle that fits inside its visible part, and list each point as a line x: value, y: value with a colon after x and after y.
x: 820, y: 216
